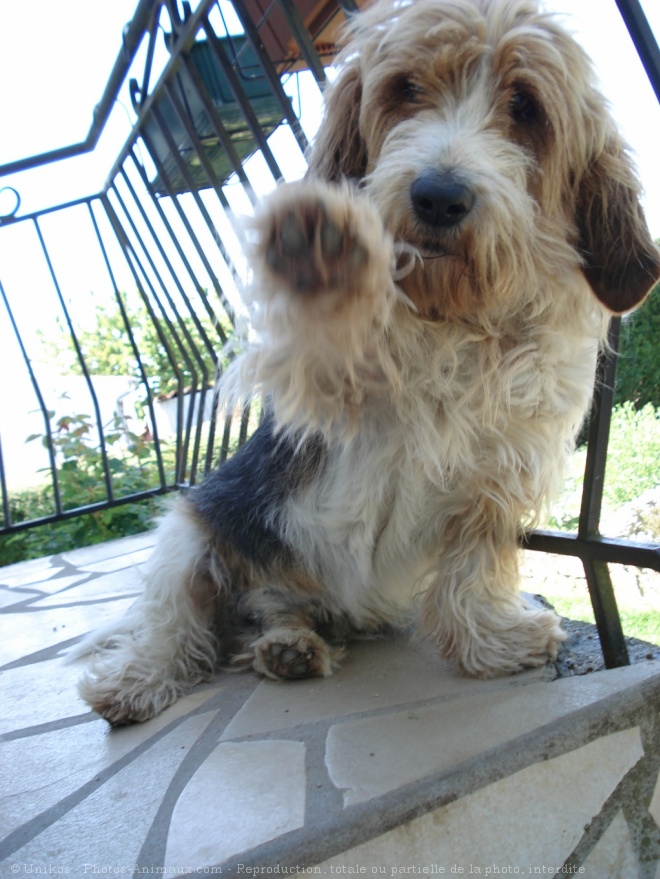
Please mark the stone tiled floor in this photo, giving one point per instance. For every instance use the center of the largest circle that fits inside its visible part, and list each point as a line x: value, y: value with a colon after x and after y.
x: 394, y: 764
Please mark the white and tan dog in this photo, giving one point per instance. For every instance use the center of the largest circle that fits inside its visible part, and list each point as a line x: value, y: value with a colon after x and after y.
x: 431, y: 300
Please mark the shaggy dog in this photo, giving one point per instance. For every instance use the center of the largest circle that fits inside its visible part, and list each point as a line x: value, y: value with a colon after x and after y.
x: 431, y: 299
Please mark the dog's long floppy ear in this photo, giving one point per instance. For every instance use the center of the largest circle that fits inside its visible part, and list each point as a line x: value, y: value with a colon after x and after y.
x: 621, y: 261
x: 339, y: 151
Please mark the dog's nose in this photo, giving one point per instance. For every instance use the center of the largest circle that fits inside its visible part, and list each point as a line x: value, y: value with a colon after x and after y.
x: 441, y: 199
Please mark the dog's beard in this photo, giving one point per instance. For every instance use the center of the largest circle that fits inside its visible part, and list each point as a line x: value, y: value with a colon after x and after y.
x: 440, y: 283
x: 463, y: 276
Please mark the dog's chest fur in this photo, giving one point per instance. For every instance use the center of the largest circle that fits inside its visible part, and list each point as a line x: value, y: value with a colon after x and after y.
x: 374, y: 512
x: 363, y: 514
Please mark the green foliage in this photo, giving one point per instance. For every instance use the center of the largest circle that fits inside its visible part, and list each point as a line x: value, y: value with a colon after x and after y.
x: 84, y: 530
x: 81, y: 467
x: 633, y: 454
x: 638, y: 366
x: 642, y: 624
x: 172, y: 352
x: 632, y: 465
x: 132, y: 466
x: 637, y: 620
x: 81, y: 479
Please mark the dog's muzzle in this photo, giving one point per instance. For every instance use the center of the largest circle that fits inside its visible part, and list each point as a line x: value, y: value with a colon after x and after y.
x: 441, y: 199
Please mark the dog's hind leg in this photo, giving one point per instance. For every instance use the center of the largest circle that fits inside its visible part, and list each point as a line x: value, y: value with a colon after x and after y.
x: 290, y: 646
x: 166, y: 642
x: 293, y: 652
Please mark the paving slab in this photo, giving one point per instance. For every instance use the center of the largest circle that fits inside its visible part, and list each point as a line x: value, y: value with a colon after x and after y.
x: 396, y: 764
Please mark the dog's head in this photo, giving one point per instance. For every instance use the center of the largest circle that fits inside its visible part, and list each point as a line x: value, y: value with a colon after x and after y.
x: 477, y: 130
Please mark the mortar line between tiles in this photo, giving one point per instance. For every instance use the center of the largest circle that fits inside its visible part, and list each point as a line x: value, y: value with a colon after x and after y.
x: 59, y: 560
x: 154, y: 848
x: 59, y: 566
x: 285, y: 732
x: 597, y: 827
x: 43, y: 655
x: 55, y: 565
x: 361, y: 822
x: 36, y: 825
x: 66, y: 573
x: 148, y: 545
x: 313, y: 736
x: 12, y: 590
x: 38, y: 729
x: 20, y: 606
x: 322, y: 796
x: 625, y: 798
x: 28, y: 606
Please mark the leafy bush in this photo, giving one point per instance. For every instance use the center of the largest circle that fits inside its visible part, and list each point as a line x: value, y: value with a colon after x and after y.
x: 632, y: 465
x: 638, y: 366
x: 81, y: 481
x: 107, y: 348
x: 84, y: 530
x: 633, y: 454
x: 132, y: 460
x: 133, y: 467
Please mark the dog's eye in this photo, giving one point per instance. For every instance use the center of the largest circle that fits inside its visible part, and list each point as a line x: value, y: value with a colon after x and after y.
x: 523, y: 107
x: 411, y: 92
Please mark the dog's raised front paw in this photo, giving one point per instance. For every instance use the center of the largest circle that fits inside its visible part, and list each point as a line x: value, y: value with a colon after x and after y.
x: 318, y: 238
x: 312, y: 250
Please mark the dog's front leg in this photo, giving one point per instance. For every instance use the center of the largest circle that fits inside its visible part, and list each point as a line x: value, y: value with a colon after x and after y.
x: 323, y: 265
x: 473, y: 609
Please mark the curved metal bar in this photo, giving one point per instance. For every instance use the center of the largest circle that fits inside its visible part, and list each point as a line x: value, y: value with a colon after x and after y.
x: 142, y: 21
x: 9, y: 215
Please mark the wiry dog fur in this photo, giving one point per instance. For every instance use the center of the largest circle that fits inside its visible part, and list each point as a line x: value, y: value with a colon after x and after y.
x: 431, y: 300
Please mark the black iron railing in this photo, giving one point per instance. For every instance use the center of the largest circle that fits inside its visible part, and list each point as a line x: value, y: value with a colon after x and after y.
x: 162, y: 235
x: 167, y: 268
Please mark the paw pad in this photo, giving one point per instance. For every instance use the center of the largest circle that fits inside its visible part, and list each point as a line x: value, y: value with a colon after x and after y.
x: 312, y: 249
x: 287, y: 661
x: 292, y: 654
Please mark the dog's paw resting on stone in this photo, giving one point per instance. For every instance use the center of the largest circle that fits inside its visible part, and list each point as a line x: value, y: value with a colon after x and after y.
x: 294, y: 654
